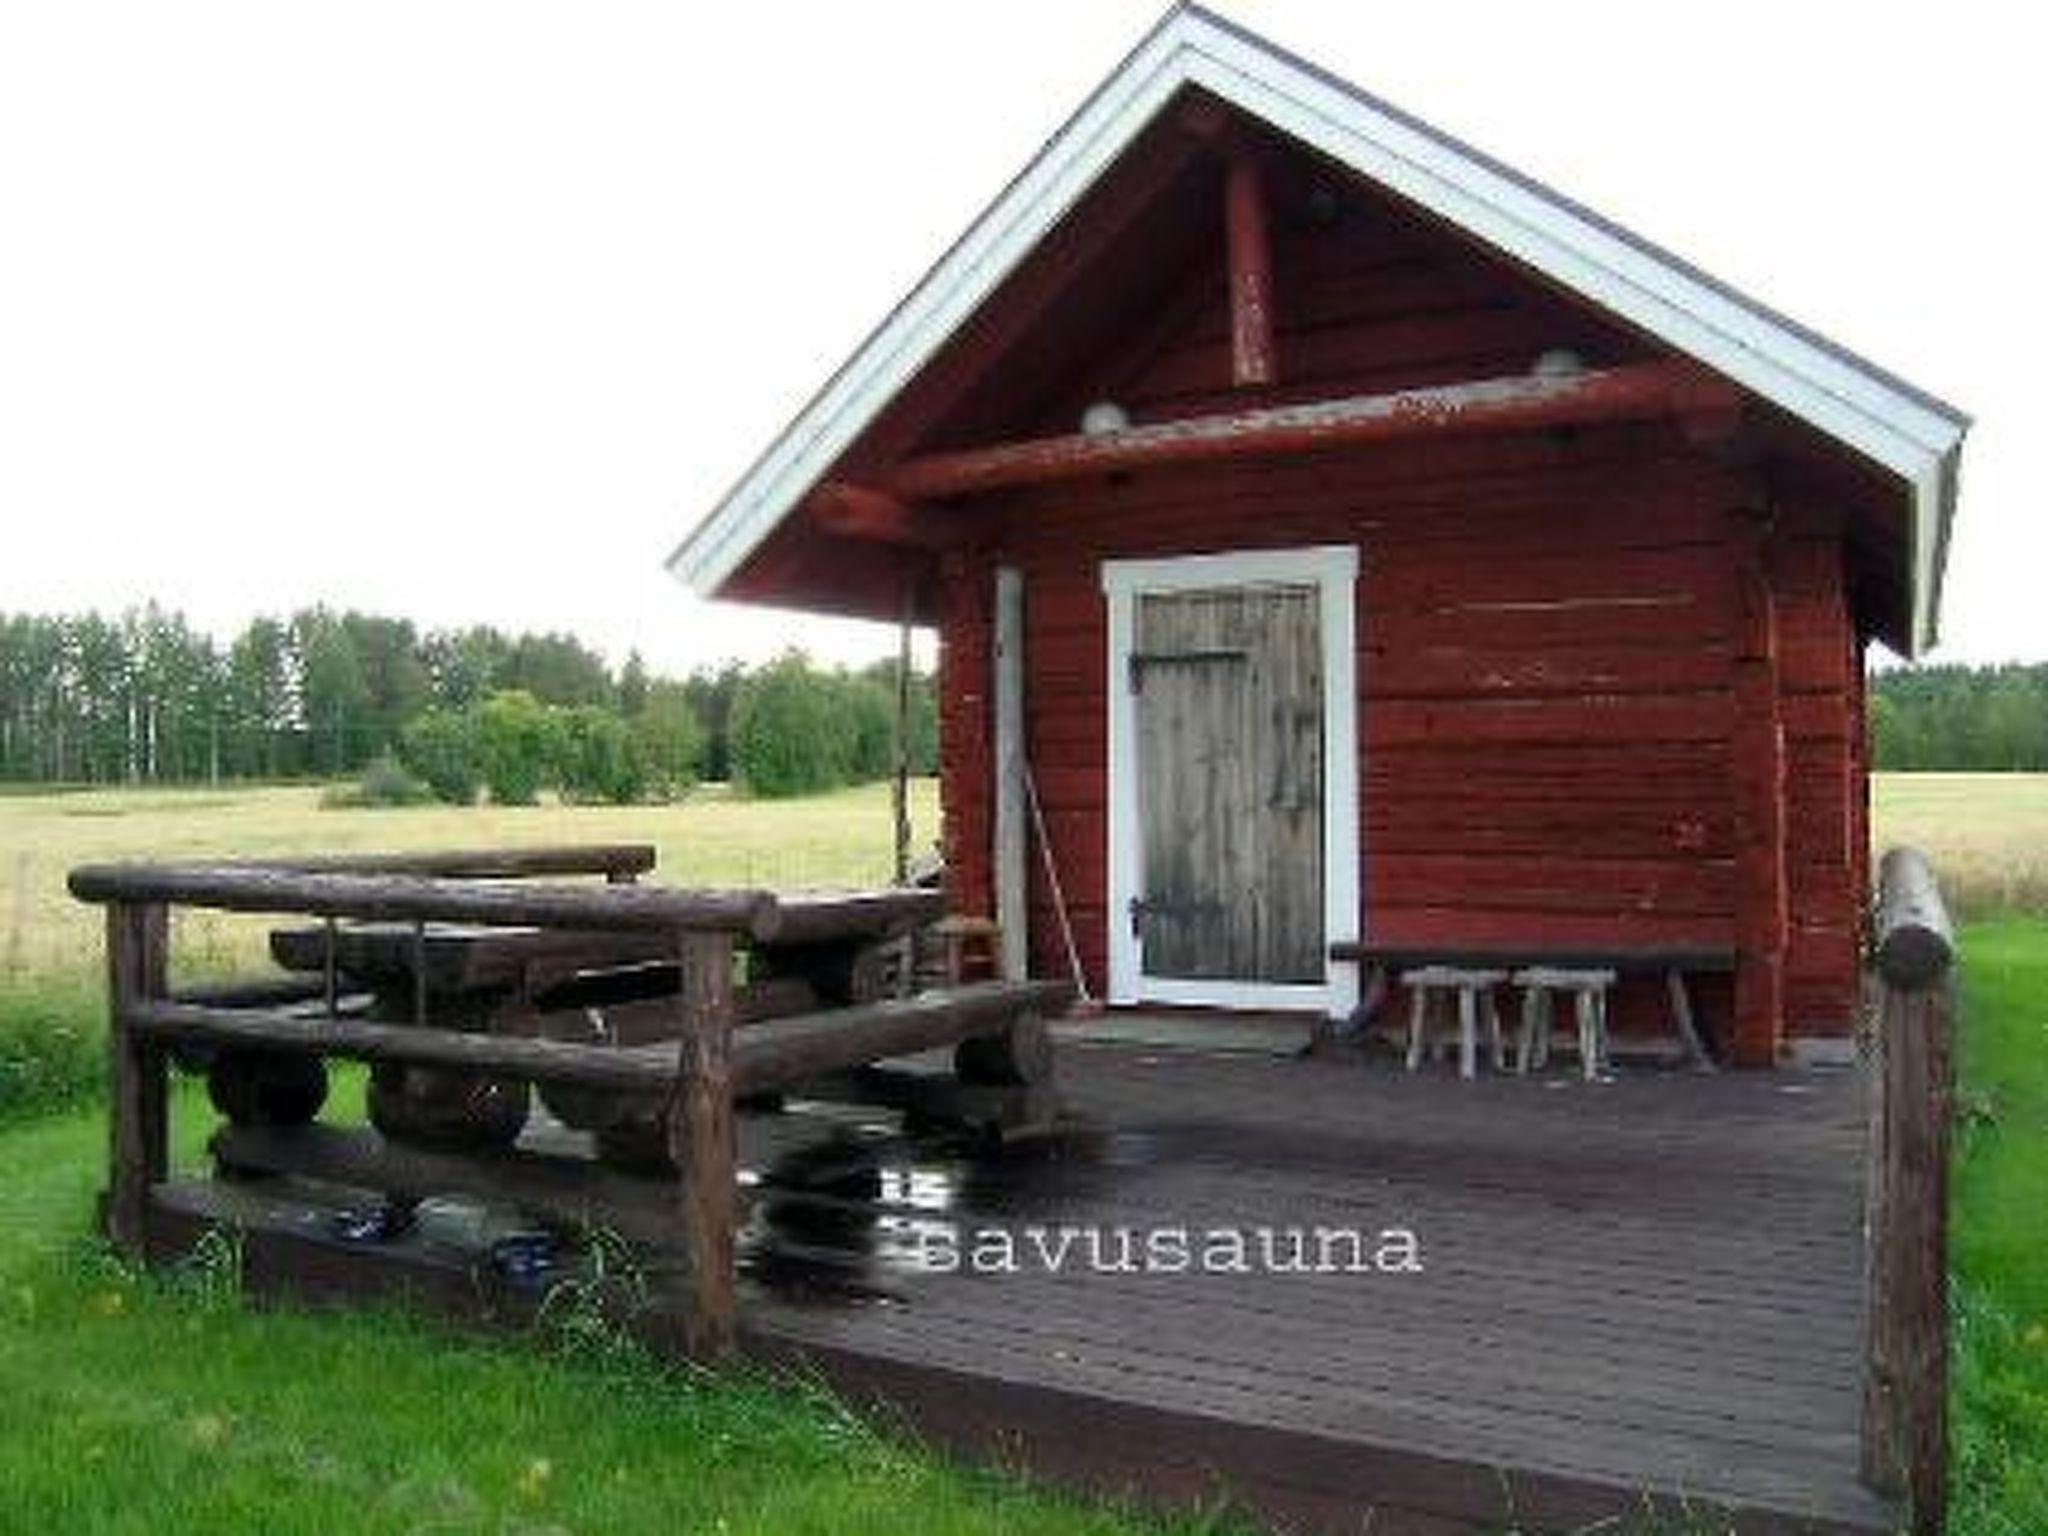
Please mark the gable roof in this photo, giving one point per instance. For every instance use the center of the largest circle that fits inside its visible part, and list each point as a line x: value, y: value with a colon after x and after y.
x: 1875, y: 415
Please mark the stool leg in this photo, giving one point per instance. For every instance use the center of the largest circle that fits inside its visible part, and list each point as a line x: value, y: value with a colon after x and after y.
x: 1589, y: 1066
x: 1500, y: 1047
x: 1418, y: 1020
x: 1525, y: 1037
x: 1545, y: 1011
x: 1468, y: 1033
x: 1600, y: 1028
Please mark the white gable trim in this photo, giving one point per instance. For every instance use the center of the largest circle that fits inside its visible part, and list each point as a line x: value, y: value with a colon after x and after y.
x: 1850, y: 402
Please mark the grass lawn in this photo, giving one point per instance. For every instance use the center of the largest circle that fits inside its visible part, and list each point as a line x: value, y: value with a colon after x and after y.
x: 163, y: 1404
x: 151, y: 1405
x: 1999, y: 1241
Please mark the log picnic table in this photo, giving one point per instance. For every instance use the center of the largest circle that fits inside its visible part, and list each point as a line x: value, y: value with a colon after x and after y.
x: 828, y: 950
x: 464, y: 985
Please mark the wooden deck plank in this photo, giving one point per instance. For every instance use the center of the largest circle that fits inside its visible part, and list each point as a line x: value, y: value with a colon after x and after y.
x: 1649, y: 1285
x: 1689, y: 1461
x: 1639, y: 1292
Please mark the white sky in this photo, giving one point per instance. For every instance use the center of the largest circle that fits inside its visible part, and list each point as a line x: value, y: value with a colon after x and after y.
x: 467, y: 312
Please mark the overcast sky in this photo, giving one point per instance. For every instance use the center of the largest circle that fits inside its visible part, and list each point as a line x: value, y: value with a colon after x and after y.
x: 468, y: 312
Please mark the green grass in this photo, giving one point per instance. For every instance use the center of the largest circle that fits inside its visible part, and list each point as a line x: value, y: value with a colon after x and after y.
x: 1999, y: 1242
x: 153, y: 1404
x: 51, y: 1043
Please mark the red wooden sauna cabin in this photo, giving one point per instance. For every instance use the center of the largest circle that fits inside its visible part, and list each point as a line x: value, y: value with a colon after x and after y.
x: 1386, y: 553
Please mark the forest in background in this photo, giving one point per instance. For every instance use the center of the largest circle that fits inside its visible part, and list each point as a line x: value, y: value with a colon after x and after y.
x: 1961, y: 719
x: 146, y: 698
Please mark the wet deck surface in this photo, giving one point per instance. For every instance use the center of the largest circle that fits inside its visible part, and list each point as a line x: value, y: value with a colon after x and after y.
x: 1649, y: 1285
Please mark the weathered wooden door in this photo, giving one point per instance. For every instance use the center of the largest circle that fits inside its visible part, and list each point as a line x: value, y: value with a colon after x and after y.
x: 1230, y: 773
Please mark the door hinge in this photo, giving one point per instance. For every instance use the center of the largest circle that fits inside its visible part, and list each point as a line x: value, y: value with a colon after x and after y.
x: 1138, y: 661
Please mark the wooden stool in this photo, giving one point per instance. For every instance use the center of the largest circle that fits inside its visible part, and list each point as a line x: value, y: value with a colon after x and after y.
x: 971, y: 948
x: 1589, y: 998
x: 1474, y: 991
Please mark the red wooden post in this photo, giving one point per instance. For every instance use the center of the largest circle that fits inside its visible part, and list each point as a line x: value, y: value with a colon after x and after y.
x: 1251, y: 274
x: 967, y: 730
x: 703, y: 1142
x: 138, y: 942
x: 1757, y: 761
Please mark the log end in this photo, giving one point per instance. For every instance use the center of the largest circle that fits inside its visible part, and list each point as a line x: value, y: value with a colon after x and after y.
x: 1915, y: 937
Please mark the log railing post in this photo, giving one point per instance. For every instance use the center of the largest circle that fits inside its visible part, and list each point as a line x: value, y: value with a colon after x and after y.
x: 138, y: 942
x: 703, y: 1141
x: 1911, y: 1077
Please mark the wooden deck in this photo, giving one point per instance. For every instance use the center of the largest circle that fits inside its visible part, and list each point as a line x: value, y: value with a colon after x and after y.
x: 1634, y: 1295
x: 1647, y: 1287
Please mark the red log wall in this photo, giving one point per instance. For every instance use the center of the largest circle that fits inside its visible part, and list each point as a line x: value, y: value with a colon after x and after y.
x: 1547, y: 634
x: 1550, y: 623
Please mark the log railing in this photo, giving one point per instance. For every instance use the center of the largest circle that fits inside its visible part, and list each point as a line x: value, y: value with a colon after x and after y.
x: 619, y: 863
x: 1911, y: 1074
x: 699, y: 1074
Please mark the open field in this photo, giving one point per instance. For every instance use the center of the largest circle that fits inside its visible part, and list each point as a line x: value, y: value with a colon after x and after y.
x: 1986, y: 832
x: 712, y: 838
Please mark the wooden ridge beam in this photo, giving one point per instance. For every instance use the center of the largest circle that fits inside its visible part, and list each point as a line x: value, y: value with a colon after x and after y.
x: 1523, y: 402
x: 1250, y: 251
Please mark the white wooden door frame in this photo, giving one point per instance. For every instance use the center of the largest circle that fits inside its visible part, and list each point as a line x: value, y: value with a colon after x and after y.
x: 1333, y: 570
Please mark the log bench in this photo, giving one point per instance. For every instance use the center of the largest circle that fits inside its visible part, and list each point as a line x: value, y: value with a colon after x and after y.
x: 1673, y: 962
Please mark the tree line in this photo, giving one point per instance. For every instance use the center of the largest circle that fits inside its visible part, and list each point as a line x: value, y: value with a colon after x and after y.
x: 1961, y: 719
x: 146, y: 698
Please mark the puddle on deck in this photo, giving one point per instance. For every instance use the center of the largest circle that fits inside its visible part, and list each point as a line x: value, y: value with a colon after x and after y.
x: 847, y: 1212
